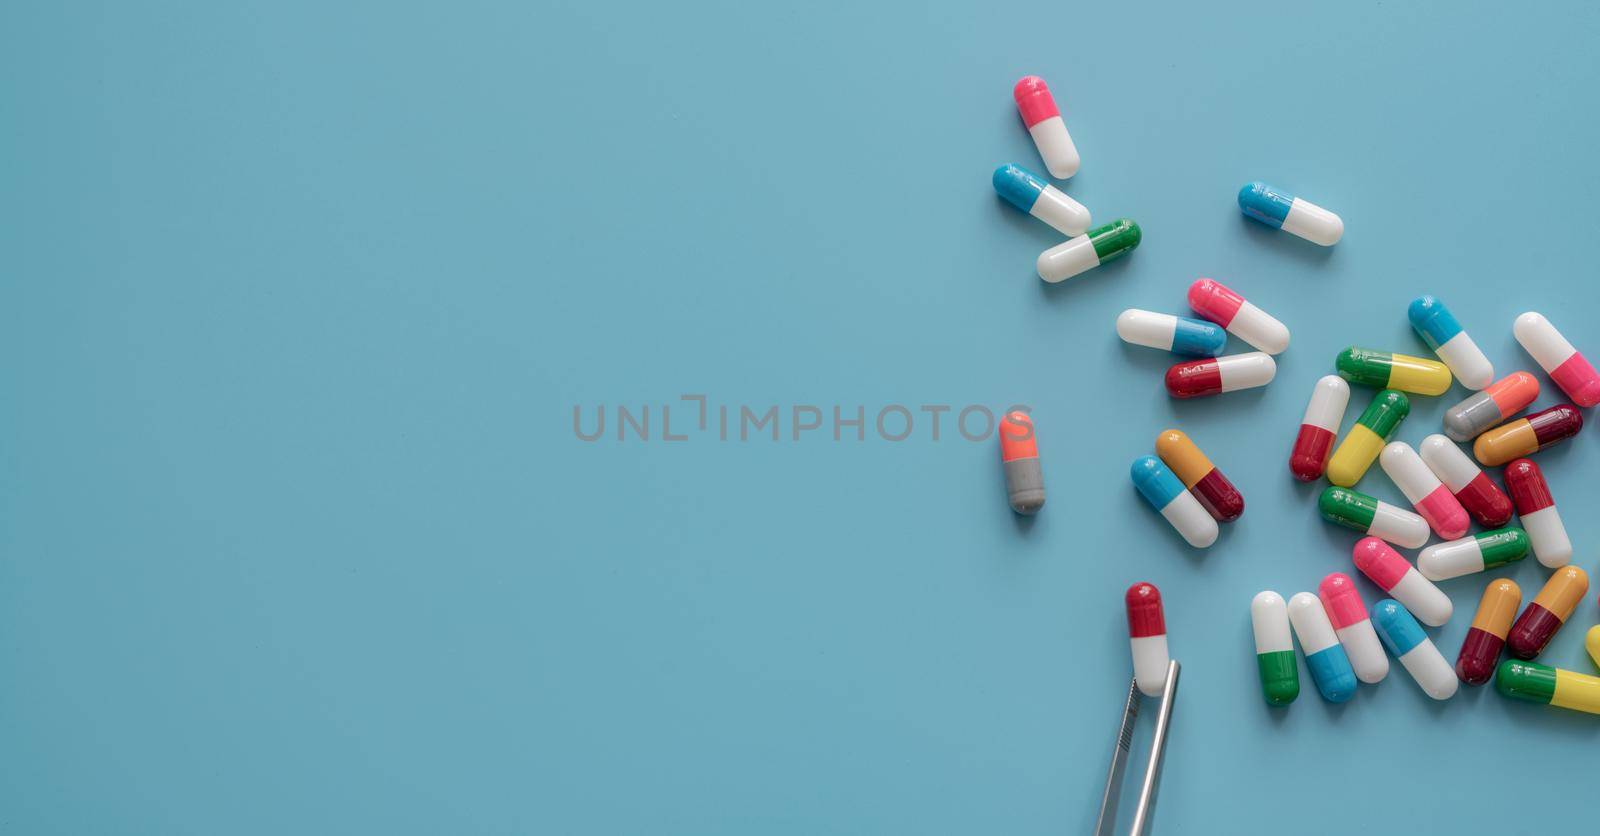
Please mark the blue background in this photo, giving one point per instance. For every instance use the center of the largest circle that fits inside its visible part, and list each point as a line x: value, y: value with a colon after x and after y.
x: 298, y: 298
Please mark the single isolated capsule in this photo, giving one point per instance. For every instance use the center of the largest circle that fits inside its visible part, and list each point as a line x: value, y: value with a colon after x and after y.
x: 1386, y: 568
x: 1482, y: 551
x: 1280, y: 674
x: 1348, y: 614
x: 1538, y: 683
x: 1526, y: 436
x: 1547, y: 612
x: 1291, y: 214
x: 1591, y: 643
x: 1214, y: 301
x: 1215, y: 376
x: 1043, y: 119
x: 1558, y: 358
x: 1493, y: 406
x: 1216, y: 494
x: 1147, y: 633
x: 1088, y: 251
x: 1324, y: 413
x: 1161, y: 488
x: 1424, y: 490
x: 1547, y: 536
x: 1019, y: 455
x: 1480, y: 650
x: 1439, y: 329
x: 1030, y: 193
x: 1473, y: 488
x: 1325, y: 657
x: 1404, y: 637
x: 1393, y: 371
x: 1354, y: 509
x: 1177, y: 334
x: 1366, y: 439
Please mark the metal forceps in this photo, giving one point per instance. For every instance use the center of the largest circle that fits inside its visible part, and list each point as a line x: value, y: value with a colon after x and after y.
x: 1152, y: 771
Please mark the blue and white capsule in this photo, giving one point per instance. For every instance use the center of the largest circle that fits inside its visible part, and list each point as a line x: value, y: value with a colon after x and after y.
x: 1403, y: 636
x: 1030, y: 193
x: 1325, y: 657
x: 1444, y: 334
x: 1166, y: 493
x: 1290, y: 214
x: 1177, y: 334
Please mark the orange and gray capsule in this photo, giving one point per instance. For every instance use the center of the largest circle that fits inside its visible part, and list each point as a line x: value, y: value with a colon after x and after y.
x: 1019, y: 454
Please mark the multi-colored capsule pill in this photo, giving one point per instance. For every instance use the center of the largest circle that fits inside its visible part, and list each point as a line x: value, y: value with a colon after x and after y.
x: 1348, y: 615
x: 1019, y: 455
x: 1473, y: 488
x: 1216, y: 376
x: 1280, y: 674
x: 1491, y: 407
x: 1279, y: 210
x: 1558, y: 358
x: 1547, y: 535
x: 1404, y: 637
x: 1030, y: 193
x: 1325, y: 657
x: 1177, y: 334
x: 1538, y: 683
x: 1216, y: 494
x: 1547, y: 612
x: 1424, y: 491
x: 1049, y: 132
x: 1438, y: 328
x: 1214, y: 301
x: 1480, y: 650
x: 1147, y: 635
x: 1591, y: 643
x: 1314, y: 444
x: 1366, y: 439
x: 1088, y: 251
x: 1393, y: 371
x: 1165, y: 493
x: 1480, y: 552
x: 1385, y: 567
x: 1354, y: 509
x: 1526, y: 436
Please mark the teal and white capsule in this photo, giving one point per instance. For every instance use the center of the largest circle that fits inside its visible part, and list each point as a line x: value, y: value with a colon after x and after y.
x: 1403, y: 636
x: 1088, y: 251
x: 1279, y: 210
x: 1444, y: 334
x: 1030, y: 193
x: 1177, y: 334
x: 1177, y: 504
x: 1325, y: 656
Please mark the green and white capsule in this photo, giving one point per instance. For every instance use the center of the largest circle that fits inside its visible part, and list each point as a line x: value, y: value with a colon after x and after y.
x: 1354, y: 509
x: 1280, y: 674
x: 1481, y: 551
x: 1088, y: 251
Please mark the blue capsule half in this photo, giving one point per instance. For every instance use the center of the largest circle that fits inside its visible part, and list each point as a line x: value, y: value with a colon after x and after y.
x: 1432, y: 321
x: 1155, y: 481
x: 1330, y: 669
x: 1397, y: 627
x: 1265, y: 204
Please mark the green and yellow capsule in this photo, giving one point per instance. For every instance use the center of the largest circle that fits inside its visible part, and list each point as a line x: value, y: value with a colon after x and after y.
x: 1366, y: 439
x: 1280, y: 675
x: 1538, y: 683
x: 1354, y: 509
x: 1088, y: 251
x: 1393, y: 371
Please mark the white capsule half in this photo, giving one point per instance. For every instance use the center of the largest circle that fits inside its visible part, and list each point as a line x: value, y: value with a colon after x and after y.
x: 1425, y: 601
x: 1466, y: 361
x: 1429, y: 668
x: 1269, y: 619
x: 1260, y: 329
x: 1547, y: 537
x: 1399, y: 526
x: 1246, y: 371
x: 1067, y: 259
x: 1150, y: 663
x: 1443, y: 561
x: 1055, y: 208
x: 1365, y: 651
x: 1192, y: 520
x: 1055, y: 147
x: 1328, y: 401
x: 1313, y: 223
x: 1542, y: 341
x: 1147, y: 328
x: 1453, y: 467
x: 1311, y: 623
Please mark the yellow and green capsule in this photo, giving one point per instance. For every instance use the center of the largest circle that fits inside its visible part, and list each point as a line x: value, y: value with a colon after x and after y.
x: 1393, y: 371
x: 1365, y: 440
x: 1538, y: 683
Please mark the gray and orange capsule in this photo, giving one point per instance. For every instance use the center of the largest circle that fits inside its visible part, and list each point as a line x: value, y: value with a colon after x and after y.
x: 1019, y: 455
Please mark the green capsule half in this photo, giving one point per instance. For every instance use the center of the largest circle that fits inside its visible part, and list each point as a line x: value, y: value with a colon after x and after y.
x: 1114, y: 239
x: 1280, y: 676
x: 1502, y: 545
x: 1526, y: 681
x: 1354, y: 509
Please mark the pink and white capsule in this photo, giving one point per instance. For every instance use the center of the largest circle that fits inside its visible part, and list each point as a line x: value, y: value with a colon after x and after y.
x: 1348, y: 614
x: 1395, y: 575
x: 1424, y: 491
x: 1217, y: 302
x: 1558, y: 358
x: 1043, y: 118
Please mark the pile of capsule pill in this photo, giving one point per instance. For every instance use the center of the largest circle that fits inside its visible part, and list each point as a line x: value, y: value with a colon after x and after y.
x: 1342, y: 640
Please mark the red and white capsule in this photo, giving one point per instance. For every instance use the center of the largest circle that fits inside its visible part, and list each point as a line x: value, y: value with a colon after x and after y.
x: 1547, y: 537
x: 1147, y: 633
x: 1424, y: 491
x: 1049, y: 132
x: 1473, y: 488
x: 1348, y: 613
x: 1318, y: 428
x: 1568, y: 368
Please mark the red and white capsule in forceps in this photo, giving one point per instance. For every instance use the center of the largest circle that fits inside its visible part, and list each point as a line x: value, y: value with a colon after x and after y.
x: 1546, y: 535
x: 1385, y: 567
x: 1147, y: 633
x: 1424, y: 491
x: 1043, y: 118
x: 1473, y: 488
x: 1318, y: 428
x: 1348, y: 614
